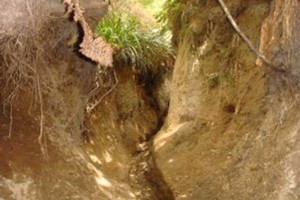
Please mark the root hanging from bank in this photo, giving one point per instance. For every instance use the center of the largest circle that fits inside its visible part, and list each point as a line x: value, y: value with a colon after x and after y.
x: 41, y: 138
x: 92, y: 106
x: 246, y: 39
x: 19, y: 55
x: 19, y: 83
x: 11, y: 121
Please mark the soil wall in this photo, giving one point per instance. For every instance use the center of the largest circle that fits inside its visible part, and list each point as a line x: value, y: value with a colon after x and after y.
x: 232, y: 131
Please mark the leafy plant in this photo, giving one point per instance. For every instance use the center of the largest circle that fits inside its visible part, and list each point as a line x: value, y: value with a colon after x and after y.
x: 136, y: 46
x: 169, y: 14
x: 146, y: 2
x: 153, y: 6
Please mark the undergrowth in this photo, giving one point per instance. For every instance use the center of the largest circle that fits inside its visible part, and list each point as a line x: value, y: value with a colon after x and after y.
x: 174, y: 17
x: 143, y: 49
x: 146, y: 2
x: 169, y: 14
x: 153, y: 6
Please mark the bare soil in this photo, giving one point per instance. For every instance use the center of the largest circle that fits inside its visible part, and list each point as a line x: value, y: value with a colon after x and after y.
x: 232, y: 125
x: 50, y: 146
x: 231, y: 129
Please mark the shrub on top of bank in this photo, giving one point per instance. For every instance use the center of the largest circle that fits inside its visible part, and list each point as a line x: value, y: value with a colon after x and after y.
x: 143, y: 49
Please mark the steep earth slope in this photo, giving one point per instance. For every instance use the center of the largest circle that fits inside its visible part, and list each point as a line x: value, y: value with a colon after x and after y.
x: 52, y: 146
x: 232, y: 131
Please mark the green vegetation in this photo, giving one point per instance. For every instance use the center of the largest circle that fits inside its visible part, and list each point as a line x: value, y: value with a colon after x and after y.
x: 170, y: 12
x: 146, y: 2
x: 170, y: 18
x: 136, y: 46
x: 213, y: 80
x: 154, y: 6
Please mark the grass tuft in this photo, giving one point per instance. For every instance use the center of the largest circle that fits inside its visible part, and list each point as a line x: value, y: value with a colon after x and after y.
x: 143, y: 49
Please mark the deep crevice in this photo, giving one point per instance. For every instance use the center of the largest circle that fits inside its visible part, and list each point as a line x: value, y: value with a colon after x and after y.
x: 144, y: 163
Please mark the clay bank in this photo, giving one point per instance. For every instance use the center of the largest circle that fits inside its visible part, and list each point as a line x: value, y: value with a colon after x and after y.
x: 99, y: 100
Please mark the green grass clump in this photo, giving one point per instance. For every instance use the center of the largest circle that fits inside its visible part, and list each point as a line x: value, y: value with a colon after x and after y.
x: 153, y: 6
x: 146, y: 2
x: 169, y: 14
x: 136, y: 46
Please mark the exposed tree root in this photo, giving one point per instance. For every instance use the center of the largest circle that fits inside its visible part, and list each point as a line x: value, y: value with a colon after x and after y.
x: 94, y: 105
x: 19, y: 76
x: 246, y: 39
x: 41, y: 138
x: 11, y: 121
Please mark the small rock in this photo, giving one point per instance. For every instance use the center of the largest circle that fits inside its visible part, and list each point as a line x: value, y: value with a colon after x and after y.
x: 142, y: 146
